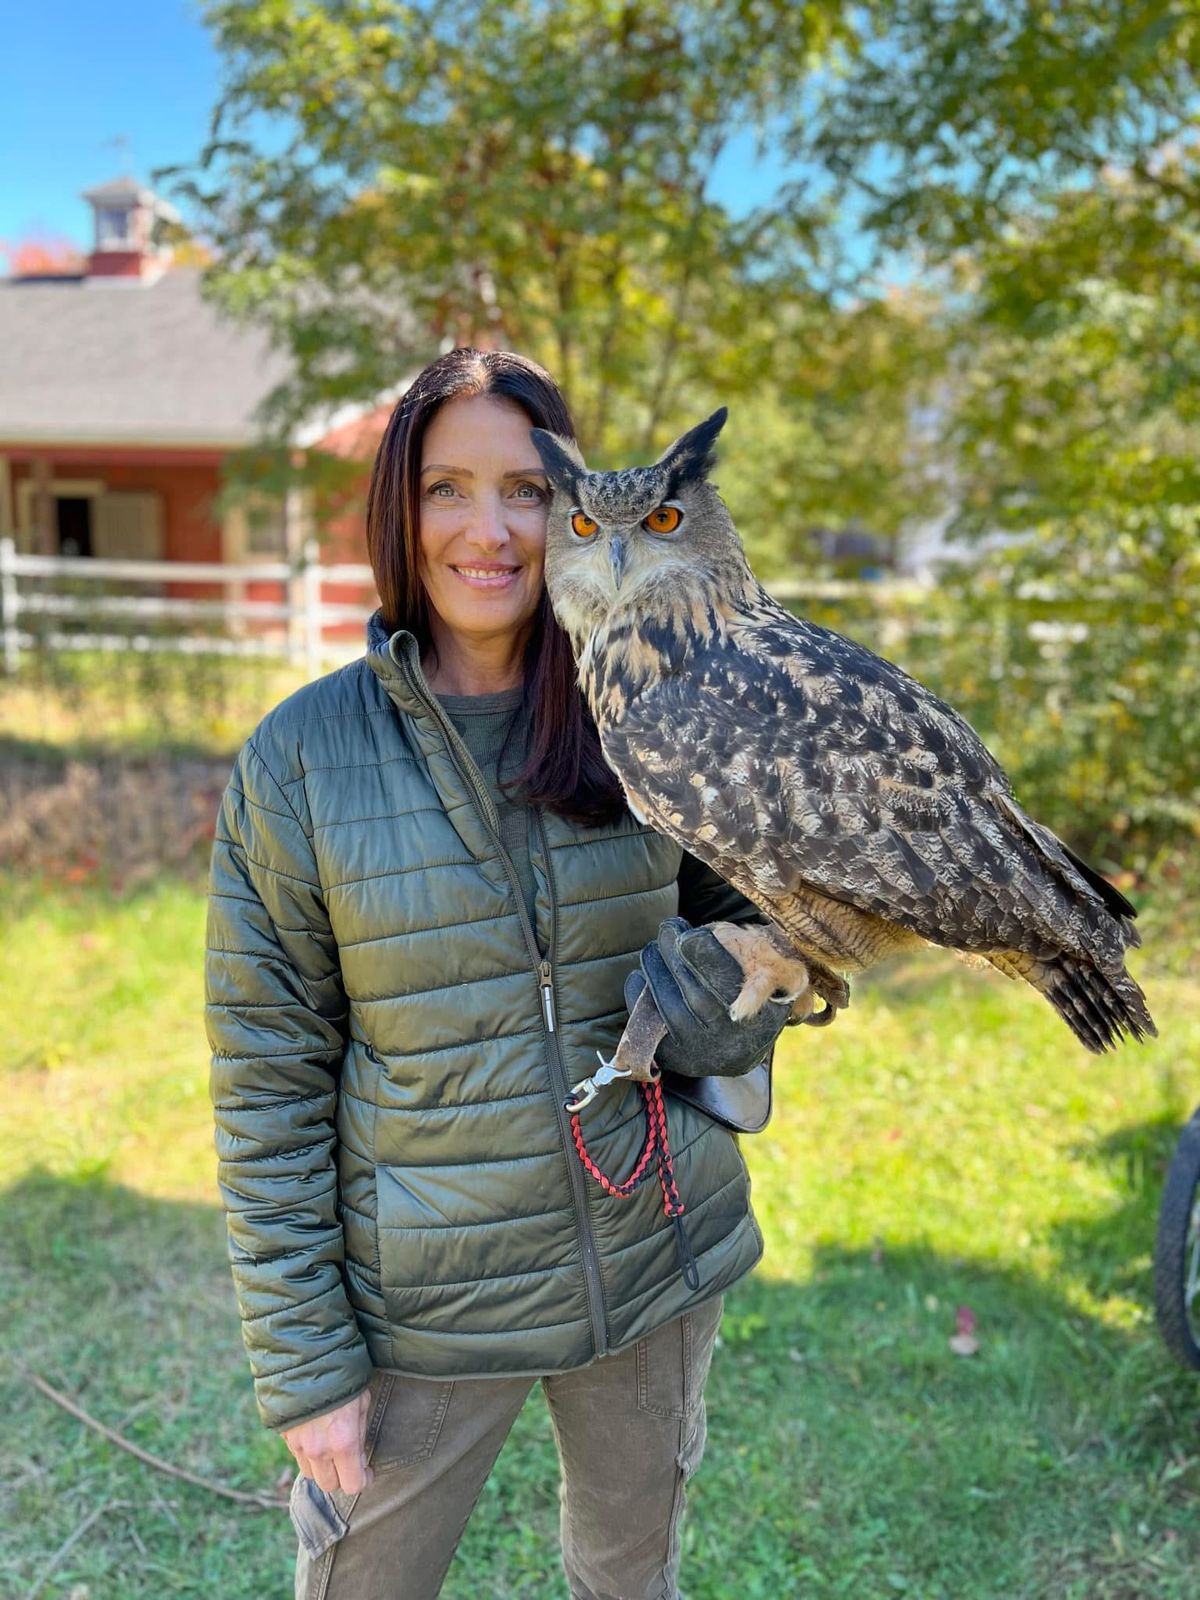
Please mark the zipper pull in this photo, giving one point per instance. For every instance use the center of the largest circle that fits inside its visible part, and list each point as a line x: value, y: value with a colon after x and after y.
x: 547, y: 982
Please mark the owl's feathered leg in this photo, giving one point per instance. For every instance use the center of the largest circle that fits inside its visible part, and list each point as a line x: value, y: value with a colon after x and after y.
x: 768, y: 972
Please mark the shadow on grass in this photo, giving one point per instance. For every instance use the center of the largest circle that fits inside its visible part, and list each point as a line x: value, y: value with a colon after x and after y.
x: 851, y: 1452
x: 1057, y: 1460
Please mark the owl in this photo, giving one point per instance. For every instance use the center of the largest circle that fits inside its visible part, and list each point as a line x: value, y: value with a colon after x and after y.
x: 859, y: 812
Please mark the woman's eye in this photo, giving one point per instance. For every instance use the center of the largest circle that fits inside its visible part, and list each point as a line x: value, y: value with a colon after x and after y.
x: 664, y: 519
x: 524, y: 491
x: 583, y: 524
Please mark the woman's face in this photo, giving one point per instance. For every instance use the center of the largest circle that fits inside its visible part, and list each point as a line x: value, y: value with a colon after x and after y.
x: 484, y: 496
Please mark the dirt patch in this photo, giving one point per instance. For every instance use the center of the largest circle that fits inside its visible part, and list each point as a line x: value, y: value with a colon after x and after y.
x: 109, y: 818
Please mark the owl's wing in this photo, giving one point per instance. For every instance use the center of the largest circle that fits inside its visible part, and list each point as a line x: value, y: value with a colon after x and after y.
x: 785, y: 755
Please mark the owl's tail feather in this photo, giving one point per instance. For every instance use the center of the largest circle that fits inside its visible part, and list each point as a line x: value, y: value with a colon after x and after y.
x: 1098, y: 1007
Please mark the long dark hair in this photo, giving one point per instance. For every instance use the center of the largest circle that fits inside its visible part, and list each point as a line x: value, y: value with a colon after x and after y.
x: 565, y: 770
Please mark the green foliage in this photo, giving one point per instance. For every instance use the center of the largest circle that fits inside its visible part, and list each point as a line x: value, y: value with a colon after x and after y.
x: 828, y: 445
x: 478, y: 168
x: 1074, y: 429
x: 538, y: 176
x: 1075, y: 416
x: 1041, y: 164
x: 947, y: 119
x: 1087, y: 700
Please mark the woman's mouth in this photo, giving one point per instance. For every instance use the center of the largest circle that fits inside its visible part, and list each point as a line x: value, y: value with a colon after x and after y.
x: 486, y: 577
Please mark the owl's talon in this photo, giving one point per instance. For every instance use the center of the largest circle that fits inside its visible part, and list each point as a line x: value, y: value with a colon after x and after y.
x: 775, y: 999
x: 820, y: 1019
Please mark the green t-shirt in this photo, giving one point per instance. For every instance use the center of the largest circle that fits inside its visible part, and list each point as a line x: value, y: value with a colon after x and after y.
x: 484, y: 722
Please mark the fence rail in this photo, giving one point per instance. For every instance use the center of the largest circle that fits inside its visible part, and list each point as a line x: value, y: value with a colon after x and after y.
x: 305, y: 612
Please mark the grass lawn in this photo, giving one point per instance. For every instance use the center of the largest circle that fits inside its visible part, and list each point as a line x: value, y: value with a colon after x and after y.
x: 946, y: 1144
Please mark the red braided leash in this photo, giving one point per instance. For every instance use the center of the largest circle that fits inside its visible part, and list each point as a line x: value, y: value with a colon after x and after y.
x: 657, y: 1144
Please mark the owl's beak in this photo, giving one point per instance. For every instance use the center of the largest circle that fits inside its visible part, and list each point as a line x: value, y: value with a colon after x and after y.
x: 617, y: 552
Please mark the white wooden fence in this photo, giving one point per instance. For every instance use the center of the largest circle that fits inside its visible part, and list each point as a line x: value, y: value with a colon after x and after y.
x: 305, y: 613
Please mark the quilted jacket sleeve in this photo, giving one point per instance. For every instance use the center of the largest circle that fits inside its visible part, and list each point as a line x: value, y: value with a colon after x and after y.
x: 704, y: 896
x: 275, y: 1015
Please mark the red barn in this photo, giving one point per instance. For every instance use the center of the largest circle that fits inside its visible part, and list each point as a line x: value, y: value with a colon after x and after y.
x: 122, y: 391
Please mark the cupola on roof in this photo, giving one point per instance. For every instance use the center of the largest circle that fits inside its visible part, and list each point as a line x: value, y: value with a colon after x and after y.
x: 128, y: 221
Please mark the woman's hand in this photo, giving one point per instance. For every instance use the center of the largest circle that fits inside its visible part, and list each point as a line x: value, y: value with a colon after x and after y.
x: 331, y: 1449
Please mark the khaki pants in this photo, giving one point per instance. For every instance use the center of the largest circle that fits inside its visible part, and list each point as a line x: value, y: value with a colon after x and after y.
x: 630, y: 1430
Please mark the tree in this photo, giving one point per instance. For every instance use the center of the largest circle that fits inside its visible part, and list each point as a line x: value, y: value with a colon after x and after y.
x: 947, y: 119
x: 1039, y: 166
x: 537, y: 175
x: 533, y: 174
x: 49, y: 255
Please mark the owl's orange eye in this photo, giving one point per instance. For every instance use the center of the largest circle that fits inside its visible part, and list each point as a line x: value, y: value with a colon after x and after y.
x: 583, y: 524
x: 663, y: 520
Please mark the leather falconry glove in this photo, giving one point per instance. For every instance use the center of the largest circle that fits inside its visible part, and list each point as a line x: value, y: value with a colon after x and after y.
x: 693, y: 980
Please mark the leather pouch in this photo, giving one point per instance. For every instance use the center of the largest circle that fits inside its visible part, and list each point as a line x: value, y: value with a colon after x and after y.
x: 742, y: 1103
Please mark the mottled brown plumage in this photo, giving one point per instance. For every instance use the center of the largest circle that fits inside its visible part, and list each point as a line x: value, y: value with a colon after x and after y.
x: 855, y: 808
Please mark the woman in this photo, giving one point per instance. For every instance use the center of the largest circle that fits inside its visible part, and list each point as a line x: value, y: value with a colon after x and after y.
x: 412, y: 959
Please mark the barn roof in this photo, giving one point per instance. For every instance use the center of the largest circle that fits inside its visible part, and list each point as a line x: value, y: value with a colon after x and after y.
x: 103, y: 360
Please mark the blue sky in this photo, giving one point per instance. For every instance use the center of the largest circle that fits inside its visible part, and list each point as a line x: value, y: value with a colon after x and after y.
x: 78, y: 75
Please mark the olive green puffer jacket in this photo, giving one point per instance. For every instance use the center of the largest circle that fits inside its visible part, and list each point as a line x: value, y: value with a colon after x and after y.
x: 391, y: 1045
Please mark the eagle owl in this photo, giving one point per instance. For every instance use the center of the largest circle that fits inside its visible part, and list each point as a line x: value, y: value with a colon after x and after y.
x: 857, y: 810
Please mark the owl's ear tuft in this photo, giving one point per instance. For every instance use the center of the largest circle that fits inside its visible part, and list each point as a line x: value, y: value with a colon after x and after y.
x: 693, y: 455
x: 561, y: 458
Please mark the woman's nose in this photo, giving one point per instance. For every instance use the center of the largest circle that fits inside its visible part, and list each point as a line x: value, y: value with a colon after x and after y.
x: 487, y: 528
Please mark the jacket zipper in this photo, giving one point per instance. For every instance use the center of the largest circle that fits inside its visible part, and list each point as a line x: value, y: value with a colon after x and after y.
x: 587, y: 1241
x: 544, y: 970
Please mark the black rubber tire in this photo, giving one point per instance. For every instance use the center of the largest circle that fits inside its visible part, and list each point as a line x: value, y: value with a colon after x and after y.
x: 1179, y: 1201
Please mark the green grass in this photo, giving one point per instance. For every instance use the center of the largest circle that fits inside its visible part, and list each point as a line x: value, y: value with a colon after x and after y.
x: 945, y: 1143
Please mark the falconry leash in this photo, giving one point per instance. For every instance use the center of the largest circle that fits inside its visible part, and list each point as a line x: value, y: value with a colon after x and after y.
x: 657, y: 1145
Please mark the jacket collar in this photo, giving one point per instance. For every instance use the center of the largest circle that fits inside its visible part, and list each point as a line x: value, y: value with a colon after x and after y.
x: 395, y: 659
x: 388, y: 655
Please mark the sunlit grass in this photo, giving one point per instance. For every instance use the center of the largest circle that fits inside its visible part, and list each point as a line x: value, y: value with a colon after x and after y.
x: 945, y: 1144
x: 106, y: 1069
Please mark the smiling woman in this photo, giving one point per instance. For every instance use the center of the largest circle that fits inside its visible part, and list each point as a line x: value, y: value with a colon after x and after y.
x: 427, y: 896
